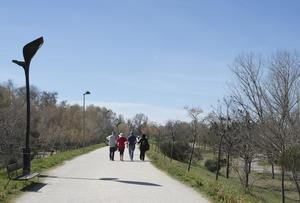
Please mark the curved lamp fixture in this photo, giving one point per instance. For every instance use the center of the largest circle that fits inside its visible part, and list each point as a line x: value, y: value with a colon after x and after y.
x: 29, y: 50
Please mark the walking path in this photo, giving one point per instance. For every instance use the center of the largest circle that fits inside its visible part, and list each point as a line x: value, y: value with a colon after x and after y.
x: 93, y: 178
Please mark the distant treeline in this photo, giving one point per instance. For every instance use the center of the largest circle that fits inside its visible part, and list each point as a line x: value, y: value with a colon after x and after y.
x: 54, y: 126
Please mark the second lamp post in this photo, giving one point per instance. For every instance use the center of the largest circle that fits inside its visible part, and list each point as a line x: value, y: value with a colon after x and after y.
x: 83, y: 125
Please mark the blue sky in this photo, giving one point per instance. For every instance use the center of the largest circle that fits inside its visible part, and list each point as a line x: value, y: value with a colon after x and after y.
x: 144, y: 56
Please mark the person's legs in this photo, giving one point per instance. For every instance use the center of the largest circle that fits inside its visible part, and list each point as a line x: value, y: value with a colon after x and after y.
x: 143, y: 155
x: 121, y: 154
x: 113, y: 154
x: 131, y: 151
x: 110, y: 153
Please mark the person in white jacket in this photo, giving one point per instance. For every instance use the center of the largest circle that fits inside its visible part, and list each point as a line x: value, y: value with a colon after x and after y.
x: 112, y: 143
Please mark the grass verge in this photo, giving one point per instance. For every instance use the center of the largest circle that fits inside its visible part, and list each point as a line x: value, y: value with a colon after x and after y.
x: 223, y: 190
x: 14, y: 187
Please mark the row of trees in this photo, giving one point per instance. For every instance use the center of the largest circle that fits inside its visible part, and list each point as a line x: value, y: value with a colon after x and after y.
x: 55, y: 126
x: 267, y: 92
x: 260, y: 119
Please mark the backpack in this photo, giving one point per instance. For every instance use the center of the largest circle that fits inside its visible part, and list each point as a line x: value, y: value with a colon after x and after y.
x: 145, y: 145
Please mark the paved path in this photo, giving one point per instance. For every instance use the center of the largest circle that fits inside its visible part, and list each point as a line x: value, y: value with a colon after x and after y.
x: 93, y: 178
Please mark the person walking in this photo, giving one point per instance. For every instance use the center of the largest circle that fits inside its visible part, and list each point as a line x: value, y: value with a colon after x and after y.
x: 121, y: 145
x: 112, y: 143
x: 144, y: 146
x: 131, y: 141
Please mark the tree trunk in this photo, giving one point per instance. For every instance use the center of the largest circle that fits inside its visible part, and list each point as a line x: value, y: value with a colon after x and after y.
x: 273, y: 174
x: 191, y: 157
x: 295, y: 179
x: 247, y: 180
x: 219, y: 157
x: 227, y: 168
x: 246, y: 168
x: 158, y: 143
x: 172, y: 147
x: 298, y: 188
x: 282, y: 185
x: 249, y: 166
x: 168, y: 152
x: 193, y: 147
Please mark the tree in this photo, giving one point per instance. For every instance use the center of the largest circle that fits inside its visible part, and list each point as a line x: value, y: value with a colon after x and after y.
x: 54, y: 125
x: 245, y: 148
x: 194, y: 114
x: 155, y: 130
x: 139, y: 121
x: 171, y: 126
x: 271, y: 99
x: 292, y: 163
x: 221, y: 127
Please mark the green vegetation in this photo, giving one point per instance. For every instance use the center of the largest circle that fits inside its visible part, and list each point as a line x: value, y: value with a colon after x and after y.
x: 39, y: 165
x: 211, y: 165
x: 225, y: 190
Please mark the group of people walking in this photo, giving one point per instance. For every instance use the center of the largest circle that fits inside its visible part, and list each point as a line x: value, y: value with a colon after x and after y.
x: 120, y: 142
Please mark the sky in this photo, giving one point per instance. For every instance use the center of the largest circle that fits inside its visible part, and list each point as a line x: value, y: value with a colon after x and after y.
x: 142, y: 56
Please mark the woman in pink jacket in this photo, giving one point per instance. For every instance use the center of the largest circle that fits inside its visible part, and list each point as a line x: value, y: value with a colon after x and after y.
x: 121, y: 145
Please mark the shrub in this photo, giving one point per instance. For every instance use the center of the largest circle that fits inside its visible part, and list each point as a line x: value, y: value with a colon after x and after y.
x: 211, y: 165
x: 181, y: 151
x: 165, y: 148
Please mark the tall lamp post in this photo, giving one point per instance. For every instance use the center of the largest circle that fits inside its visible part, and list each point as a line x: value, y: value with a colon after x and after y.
x: 83, y: 127
x: 29, y: 50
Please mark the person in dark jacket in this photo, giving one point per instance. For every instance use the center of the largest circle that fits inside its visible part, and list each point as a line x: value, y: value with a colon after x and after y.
x: 144, y: 146
x: 131, y: 141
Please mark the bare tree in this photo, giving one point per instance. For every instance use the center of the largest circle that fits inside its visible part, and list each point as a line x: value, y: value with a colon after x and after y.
x: 139, y: 121
x: 194, y: 114
x: 245, y: 148
x: 222, y: 128
x: 231, y: 128
x: 270, y: 100
x: 155, y: 130
x: 171, y: 126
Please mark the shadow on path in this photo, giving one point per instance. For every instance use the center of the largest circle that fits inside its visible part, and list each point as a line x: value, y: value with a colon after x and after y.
x: 108, y: 178
x: 33, y: 187
x: 104, y: 179
x: 59, y: 177
x: 135, y: 161
x: 138, y: 183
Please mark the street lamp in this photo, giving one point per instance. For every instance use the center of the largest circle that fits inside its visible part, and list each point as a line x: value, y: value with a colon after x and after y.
x: 29, y: 50
x: 87, y: 92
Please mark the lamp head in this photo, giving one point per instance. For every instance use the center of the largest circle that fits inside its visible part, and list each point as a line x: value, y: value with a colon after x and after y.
x: 30, y: 49
x: 87, y: 92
